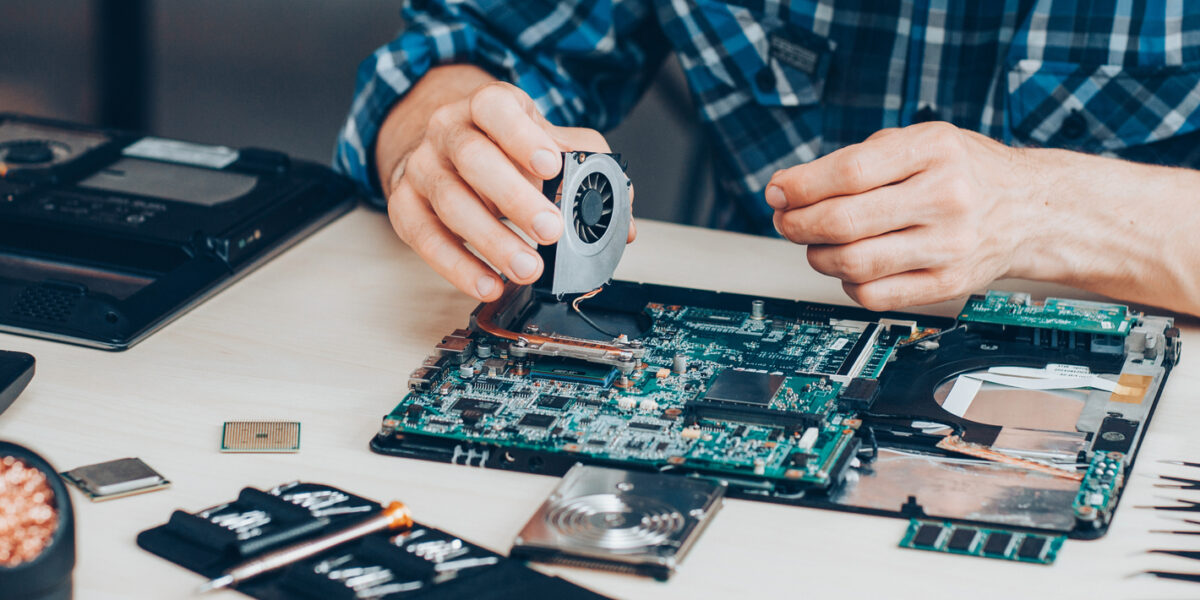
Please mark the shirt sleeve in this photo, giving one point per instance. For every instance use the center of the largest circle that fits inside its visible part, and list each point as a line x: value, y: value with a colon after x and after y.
x: 585, y: 63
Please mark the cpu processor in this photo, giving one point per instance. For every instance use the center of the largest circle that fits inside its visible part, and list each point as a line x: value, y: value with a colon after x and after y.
x: 261, y: 436
x: 116, y: 479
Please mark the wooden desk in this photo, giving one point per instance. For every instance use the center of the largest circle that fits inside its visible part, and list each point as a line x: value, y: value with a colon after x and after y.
x: 327, y: 335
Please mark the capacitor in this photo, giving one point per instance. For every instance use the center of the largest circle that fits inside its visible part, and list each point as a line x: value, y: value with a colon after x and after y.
x: 680, y: 364
x: 760, y: 466
x: 757, y: 310
x: 466, y: 371
x: 483, y: 350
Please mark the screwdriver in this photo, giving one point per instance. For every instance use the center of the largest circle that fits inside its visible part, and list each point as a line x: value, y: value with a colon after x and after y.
x: 395, y: 516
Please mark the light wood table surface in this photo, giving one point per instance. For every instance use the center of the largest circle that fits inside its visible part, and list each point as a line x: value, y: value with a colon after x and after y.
x: 327, y: 333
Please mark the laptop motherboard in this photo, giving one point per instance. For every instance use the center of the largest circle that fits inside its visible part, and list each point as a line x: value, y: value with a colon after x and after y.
x: 1018, y: 413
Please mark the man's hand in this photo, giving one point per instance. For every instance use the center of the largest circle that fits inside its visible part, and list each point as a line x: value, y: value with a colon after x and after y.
x: 481, y: 158
x: 911, y: 216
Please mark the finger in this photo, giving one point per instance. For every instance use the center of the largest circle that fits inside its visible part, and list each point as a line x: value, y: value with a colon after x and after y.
x: 579, y: 139
x: 464, y: 213
x: 846, y: 219
x: 415, y: 222
x: 877, y: 257
x: 913, y: 288
x: 882, y: 133
x: 632, y: 228
x: 861, y: 167
x: 489, y: 171
x: 509, y: 117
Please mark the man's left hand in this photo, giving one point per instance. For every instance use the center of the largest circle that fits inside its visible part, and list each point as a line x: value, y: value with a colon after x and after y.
x: 911, y: 216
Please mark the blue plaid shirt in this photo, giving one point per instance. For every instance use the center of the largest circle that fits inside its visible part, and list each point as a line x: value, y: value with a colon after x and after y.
x: 778, y: 83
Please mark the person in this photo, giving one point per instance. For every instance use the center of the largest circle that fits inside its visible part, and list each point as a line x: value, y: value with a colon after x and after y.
x: 919, y: 150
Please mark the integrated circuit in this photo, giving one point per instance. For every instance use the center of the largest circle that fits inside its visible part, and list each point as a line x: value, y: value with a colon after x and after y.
x: 553, y: 402
x: 476, y: 404
x: 537, y: 420
x: 735, y: 386
x: 573, y: 371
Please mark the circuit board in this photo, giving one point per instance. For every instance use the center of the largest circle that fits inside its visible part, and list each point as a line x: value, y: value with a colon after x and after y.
x: 966, y: 540
x: 731, y: 391
x: 1018, y: 309
x: 793, y: 402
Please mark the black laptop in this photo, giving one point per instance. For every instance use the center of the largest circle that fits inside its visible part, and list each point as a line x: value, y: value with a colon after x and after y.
x: 106, y: 236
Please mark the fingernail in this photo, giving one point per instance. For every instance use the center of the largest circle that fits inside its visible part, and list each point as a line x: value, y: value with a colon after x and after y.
x: 523, y: 265
x: 775, y: 197
x: 485, y: 285
x: 545, y: 163
x: 547, y: 226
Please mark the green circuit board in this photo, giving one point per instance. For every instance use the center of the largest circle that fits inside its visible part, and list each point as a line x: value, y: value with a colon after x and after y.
x: 728, y: 392
x: 1018, y: 309
x: 968, y: 540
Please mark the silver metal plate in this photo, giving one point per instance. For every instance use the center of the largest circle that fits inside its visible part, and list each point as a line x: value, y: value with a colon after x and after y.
x: 612, y: 518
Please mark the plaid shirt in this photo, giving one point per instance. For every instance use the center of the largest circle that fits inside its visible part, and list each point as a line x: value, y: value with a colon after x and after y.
x: 777, y: 83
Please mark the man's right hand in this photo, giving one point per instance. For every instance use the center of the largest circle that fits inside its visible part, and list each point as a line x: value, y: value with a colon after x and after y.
x: 481, y: 158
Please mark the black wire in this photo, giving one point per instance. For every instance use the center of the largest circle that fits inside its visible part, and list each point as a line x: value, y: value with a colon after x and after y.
x: 589, y: 321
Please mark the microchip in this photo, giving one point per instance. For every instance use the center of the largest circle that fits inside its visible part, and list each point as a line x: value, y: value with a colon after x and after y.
x: 554, y: 402
x: 997, y: 544
x: 470, y: 417
x: 962, y: 539
x: 799, y: 459
x: 116, y: 479
x: 734, y: 386
x: 260, y: 436
x: 483, y: 406
x: 573, y: 371
x: 927, y: 535
x: 536, y: 420
x: 645, y: 426
x: 1032, y: 547
x: 859, y: 394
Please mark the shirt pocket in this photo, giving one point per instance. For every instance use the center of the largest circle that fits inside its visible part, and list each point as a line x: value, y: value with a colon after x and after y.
x: 1101, y: 108
x: 726, y: 48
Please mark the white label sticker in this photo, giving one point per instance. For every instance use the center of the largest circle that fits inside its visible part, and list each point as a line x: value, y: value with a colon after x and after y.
x: 838, y: 344
x: 184, y: 153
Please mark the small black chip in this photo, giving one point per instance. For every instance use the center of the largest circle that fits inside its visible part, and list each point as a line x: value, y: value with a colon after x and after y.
x: 799, y: 459
x: 484, y: 406
x: 744, y: 387
x: 859, y: 394
x: 962, y: 539
x: 927, y: 535
x: 554, y: 402
x: 997, y: 544
x: 536, y: 420
x: 645, y: 426
x: 1032, y: 547
x: 471, y: 417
